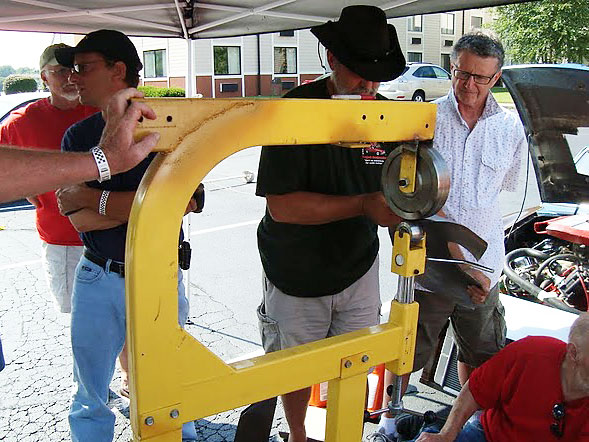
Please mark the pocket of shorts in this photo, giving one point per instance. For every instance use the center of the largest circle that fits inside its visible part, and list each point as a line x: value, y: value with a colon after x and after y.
x: 500, y: 326
x: 269, y: 331
x: 88, y: 273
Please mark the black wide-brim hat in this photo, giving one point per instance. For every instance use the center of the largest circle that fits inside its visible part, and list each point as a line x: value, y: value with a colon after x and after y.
x: 112, y: 44
x: 364, y: 42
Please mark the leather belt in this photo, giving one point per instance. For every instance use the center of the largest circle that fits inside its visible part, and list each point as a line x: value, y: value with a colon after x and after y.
x: 114, y: 267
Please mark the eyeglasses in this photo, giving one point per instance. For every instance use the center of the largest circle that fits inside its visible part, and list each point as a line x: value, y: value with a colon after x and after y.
x: 479, y: 79
x: 558, y: 413
x: 82, y: 68
x: 61, y: 72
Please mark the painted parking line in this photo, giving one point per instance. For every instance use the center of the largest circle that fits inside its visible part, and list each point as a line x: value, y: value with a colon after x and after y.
x: 198, y: 232
x: 226, y: 227
x: 20, y: 264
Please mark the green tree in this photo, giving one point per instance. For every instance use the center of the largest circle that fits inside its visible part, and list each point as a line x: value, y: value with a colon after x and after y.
x: 26, y: 70
x: 6, y: 70
x: 547, y: 31
x: 14, y: 84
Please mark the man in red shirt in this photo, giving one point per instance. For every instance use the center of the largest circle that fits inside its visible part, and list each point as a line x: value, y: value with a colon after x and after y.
x: 535, y: 389
x: 41, y: 125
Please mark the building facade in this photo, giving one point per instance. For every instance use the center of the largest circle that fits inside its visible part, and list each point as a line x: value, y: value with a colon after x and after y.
x: 271, y: 64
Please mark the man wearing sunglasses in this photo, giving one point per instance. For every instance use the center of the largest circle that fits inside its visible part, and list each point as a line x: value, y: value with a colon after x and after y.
x: 535, y: 389
x: 103, y: 63
x: 41, y: 125
x: 483, y: 146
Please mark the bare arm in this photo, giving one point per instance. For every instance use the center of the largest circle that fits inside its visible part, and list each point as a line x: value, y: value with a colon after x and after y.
x: 86, y: 220
x: 32, y: 172
x: 80, y: 196
x: 118, y: 206
x: 463, y: 408
x: 316, y: 208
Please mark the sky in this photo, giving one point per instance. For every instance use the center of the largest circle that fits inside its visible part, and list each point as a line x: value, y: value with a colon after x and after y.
x: 23, y: 49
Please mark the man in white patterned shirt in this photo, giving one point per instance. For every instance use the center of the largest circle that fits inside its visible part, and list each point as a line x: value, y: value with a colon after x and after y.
x: 482, y: 145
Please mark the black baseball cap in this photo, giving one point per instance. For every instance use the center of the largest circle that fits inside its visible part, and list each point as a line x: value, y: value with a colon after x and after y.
x: 112, y: 44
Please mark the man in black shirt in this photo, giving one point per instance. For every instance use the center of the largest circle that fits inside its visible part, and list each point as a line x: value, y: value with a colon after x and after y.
x: 103, y: 63
x: 318, y: 239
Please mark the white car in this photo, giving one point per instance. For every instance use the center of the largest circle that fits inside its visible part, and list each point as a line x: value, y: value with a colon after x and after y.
x: 11, y: 102
x: 418, y: 82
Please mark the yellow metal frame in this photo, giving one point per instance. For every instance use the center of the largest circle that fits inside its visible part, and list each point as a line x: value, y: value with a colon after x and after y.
x: 411, y: 257
x: 174, y: 378
x: 408, y: 171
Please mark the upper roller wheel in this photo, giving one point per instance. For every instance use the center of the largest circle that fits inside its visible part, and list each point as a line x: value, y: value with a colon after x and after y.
x: 432, y: 183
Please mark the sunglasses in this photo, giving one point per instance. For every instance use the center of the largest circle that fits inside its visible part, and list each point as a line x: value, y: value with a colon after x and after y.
x: 81, y: 68
x: 479, y: 79
x: 558, y: 413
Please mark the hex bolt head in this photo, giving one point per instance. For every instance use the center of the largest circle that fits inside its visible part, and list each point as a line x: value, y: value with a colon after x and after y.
x: 174, y: 413
x: 365, y: 358
x: 403, y: 182
x: 149, y: 421
x: 348, y: 364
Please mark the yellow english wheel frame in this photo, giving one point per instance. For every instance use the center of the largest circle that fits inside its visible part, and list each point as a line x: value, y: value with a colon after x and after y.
x: 173, y: 377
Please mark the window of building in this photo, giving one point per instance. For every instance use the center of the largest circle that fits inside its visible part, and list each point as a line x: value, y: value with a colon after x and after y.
x: 447, y: 23
x: 476, y: 22
x: 154, y: 63
x: 414, y: 57
x: 285, y: 60
x: 446, y: 61
x: 287, y: 33
x: 415, y: 41
x: 415, y: 23
x: 448, y: 43
x: 227, y: 60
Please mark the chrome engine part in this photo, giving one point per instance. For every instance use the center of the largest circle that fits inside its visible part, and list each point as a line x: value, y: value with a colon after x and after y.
x: 554, y: 272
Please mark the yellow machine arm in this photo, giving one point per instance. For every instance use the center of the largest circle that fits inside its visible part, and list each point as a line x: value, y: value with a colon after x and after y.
x: 173, y: 377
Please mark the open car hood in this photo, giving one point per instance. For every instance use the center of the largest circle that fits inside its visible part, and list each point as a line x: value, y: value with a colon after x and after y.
x: 553, y: 103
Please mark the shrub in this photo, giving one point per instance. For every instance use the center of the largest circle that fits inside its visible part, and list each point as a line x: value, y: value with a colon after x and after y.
x: 152, y: 91
x: 14, y: 84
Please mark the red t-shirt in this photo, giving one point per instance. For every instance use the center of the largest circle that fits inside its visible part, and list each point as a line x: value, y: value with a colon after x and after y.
x: 41, y: 125
x: 518, y: 388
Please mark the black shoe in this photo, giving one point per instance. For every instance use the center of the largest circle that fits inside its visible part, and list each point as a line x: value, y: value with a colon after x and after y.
x: 408, y: 426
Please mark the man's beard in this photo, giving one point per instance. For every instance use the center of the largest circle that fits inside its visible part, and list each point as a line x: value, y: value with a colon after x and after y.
x: 69, y: 95
x: 342, y: 90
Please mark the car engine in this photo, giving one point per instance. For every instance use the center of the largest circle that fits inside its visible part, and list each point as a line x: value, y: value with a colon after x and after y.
x: 553, y: 266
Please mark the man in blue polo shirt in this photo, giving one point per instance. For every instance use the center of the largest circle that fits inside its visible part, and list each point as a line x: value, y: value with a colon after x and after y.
x: 103, y: 63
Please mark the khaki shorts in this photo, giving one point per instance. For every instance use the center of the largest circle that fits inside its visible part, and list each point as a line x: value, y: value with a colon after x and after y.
x: 479, y: 333
x: 287, y: 321
x: 60, y: 264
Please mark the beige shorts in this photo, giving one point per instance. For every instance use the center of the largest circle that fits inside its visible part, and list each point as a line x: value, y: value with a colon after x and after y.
x: 287, y: 321
x: 60, y: 264
x: 479, y: 333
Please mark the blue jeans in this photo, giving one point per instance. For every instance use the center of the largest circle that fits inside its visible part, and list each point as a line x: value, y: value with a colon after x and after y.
x: 2, y: 363
x: 471, y: 432
x: 98, y: 335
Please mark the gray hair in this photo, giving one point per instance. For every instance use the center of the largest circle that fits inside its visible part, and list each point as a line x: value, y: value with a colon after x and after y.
x: 483, y: 44
x: 579, y: 333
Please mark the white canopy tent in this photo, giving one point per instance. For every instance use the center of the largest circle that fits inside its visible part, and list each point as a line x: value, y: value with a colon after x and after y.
x: 202, y: 19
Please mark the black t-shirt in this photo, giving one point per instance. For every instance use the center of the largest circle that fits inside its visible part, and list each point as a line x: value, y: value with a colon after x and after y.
x: 318, y: 260
x: 81, y: 137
